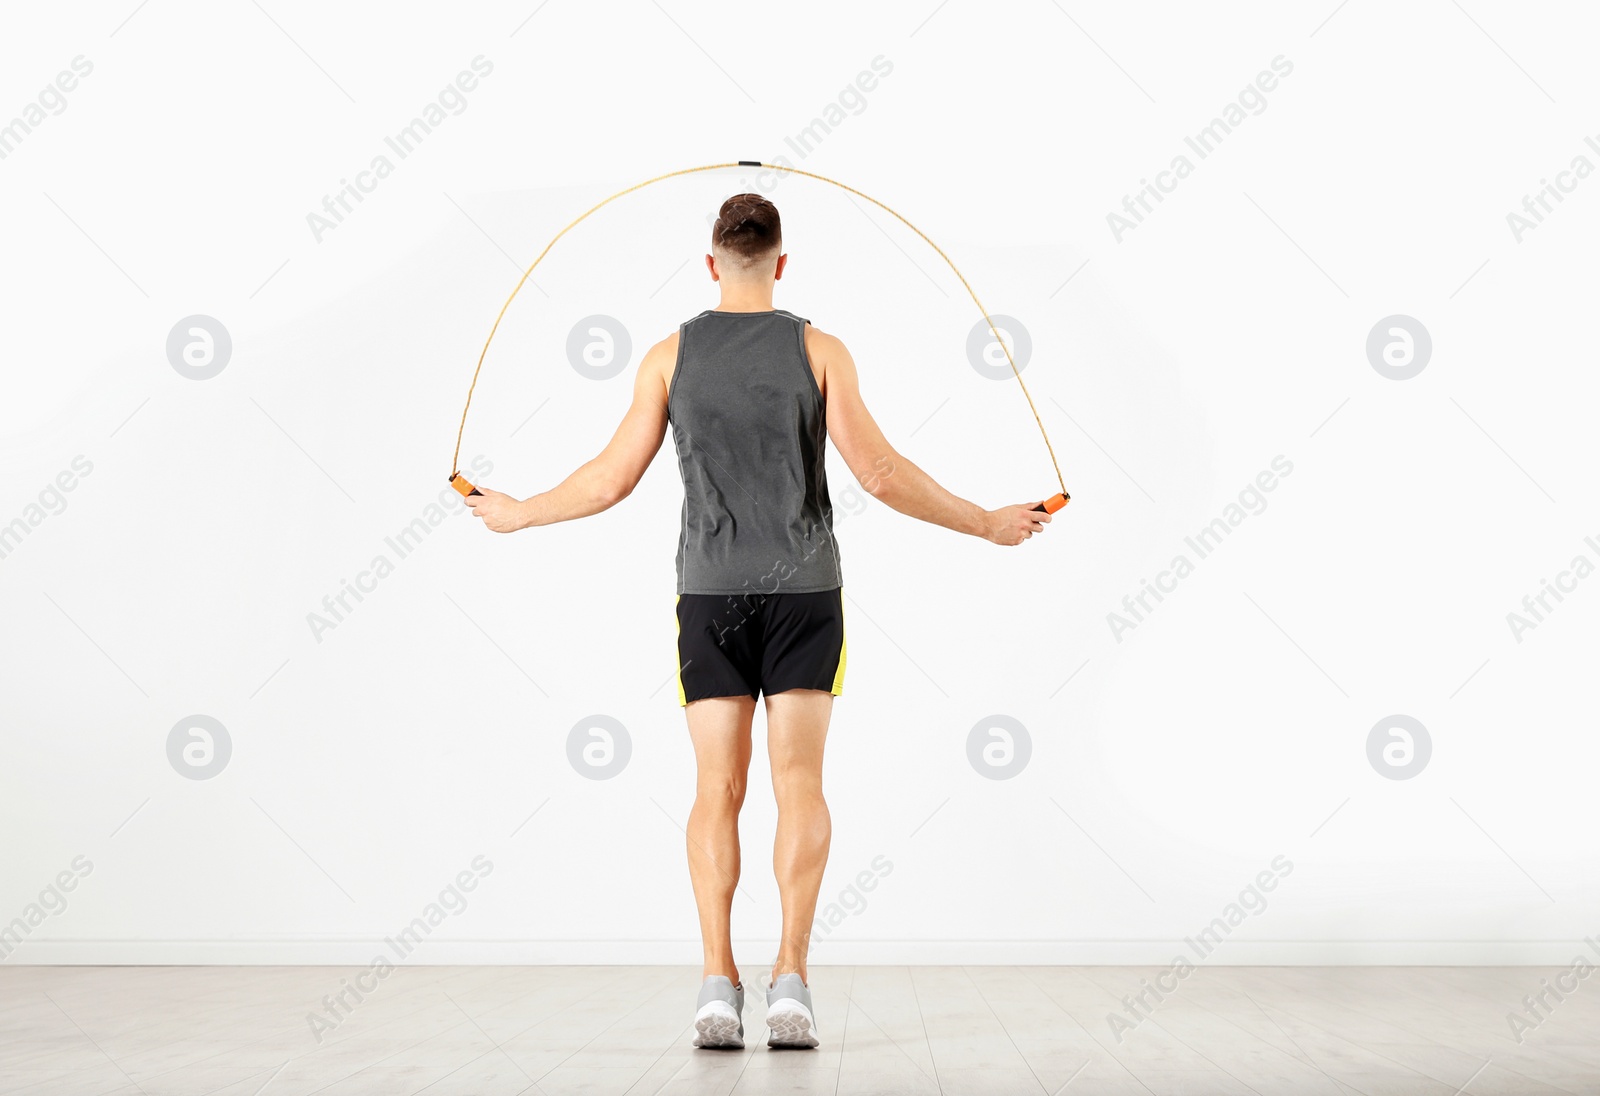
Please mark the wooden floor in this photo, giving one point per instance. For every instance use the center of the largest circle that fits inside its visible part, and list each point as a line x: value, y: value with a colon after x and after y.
x: 244, y: 1031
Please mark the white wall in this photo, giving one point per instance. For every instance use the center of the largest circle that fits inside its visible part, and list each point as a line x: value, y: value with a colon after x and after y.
x: 1171, y: 762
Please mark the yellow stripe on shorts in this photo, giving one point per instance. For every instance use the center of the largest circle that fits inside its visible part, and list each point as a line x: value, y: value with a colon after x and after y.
x: 677, y: 628
x: 838, y: 675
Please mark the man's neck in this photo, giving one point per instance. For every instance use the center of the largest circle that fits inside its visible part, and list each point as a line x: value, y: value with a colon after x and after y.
x: 745, y: 299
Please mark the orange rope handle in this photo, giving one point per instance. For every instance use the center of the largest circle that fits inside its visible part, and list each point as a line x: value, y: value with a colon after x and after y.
x: 455, y: 461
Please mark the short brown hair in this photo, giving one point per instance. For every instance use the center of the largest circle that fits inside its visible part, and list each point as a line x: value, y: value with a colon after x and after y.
x: 747, y: 228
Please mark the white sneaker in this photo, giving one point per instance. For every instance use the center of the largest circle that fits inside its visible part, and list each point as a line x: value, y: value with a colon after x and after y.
x: 789, y: 1015
x: 720, y: 1019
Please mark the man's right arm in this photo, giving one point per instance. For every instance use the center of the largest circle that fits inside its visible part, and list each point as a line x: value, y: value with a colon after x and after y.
x: 891, y: 477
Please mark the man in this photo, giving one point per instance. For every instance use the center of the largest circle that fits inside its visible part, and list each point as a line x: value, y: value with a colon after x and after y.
x: 753, y: 393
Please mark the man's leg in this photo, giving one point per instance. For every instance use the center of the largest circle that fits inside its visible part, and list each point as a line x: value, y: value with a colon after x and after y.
x: 720, y: 729
x: 797, y: 727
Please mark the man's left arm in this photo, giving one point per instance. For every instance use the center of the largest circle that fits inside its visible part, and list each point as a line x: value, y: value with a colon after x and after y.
x: 609, y: 478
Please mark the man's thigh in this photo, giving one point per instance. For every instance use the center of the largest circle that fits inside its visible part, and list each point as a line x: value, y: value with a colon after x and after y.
x: 797, y: 730
x: 719, y: 727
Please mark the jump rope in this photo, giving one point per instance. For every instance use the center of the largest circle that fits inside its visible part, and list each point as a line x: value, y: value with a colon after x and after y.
x: 467, y: 489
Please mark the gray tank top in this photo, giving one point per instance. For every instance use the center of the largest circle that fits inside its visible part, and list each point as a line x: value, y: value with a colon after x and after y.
x: 748, y: 424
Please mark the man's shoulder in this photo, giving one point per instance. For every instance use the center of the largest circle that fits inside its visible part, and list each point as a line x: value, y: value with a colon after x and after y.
x: 660, y: 362
x: 665, y: 350
x: 820, y: 342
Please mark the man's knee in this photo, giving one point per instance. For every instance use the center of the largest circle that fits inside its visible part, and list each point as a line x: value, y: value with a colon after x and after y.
x: 721, y: 793
x: 797, y: 788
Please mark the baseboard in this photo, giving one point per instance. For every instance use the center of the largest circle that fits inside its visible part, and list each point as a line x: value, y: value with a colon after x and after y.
x: 362, y: 952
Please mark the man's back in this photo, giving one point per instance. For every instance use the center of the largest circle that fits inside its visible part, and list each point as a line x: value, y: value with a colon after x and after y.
x: 749, y: 426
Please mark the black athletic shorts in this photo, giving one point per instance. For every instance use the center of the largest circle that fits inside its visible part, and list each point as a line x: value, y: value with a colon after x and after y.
x: 749, y: 644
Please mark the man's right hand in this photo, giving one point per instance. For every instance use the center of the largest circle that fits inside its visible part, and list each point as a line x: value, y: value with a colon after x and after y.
x: 1012, y: 525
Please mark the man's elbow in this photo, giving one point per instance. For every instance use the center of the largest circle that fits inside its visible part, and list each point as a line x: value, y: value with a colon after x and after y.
x: 609, y: 486
x: 878, y: 477
x: 612, y: 491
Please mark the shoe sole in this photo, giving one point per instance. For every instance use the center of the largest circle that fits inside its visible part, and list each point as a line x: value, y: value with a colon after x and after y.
x: 791, y: 1023
x: 718, y: 1026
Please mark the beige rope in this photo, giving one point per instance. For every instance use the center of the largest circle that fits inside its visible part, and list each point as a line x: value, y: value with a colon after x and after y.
x: 455, y: 461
